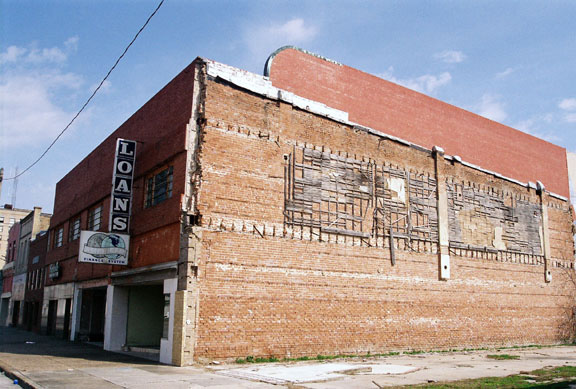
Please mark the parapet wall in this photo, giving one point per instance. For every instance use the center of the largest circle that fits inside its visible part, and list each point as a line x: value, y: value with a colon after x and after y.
x: 399, y: 111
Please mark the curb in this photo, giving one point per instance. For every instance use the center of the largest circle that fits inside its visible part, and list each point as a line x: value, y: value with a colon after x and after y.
x: 23, y: 380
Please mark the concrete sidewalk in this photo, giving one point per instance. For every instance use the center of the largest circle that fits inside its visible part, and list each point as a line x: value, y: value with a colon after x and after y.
x: 46, y: 362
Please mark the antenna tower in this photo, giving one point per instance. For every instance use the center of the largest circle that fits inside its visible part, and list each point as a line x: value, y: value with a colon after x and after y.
x: 14, y: 188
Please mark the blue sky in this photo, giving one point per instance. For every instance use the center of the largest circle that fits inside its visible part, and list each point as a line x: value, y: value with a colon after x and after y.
x: 511, y: 61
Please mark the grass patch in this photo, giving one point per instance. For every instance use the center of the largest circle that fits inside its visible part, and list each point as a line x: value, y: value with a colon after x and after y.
x: 502, y: 357
x: 555, y: 372
x: 549, y: 378
x: 251, y: 359
x: 320, y: 357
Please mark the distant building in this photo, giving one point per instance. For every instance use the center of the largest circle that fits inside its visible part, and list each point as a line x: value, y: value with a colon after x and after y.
x: 8, y: 274
x: 8, y: 217
x: 261, y: 217
x: 35, y: 281
x: 29, y: 226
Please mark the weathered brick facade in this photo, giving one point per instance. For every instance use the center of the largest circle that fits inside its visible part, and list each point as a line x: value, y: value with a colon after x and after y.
x: 272, y: 287
x: 294, y: 231
x: 88, y: 185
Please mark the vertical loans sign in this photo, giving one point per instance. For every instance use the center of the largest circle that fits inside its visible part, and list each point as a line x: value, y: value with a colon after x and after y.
x: 121, y: 199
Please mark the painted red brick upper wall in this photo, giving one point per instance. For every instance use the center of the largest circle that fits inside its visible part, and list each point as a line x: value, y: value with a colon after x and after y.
x: 13, y: 238
x: 38, y: 248
x: 404, y: 113
x: 160, y: 129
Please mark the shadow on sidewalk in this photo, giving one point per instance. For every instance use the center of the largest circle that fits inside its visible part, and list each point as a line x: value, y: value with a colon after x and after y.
x: 18, y: 341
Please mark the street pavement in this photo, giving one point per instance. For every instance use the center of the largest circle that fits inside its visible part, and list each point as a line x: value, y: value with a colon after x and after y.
x: 6, y: 382
x: 39, y: 361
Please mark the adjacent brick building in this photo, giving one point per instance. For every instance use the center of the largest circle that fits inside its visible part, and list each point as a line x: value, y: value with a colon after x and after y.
x: 24, y: 225
x: 265, y: 223
x: 6, y: 317
x: 36, y: 275
x: 8, y: 217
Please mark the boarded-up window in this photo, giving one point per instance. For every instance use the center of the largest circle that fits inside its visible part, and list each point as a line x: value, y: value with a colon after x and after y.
x: 327, y: 192
x: 481, y: 219
x: 406, y: 205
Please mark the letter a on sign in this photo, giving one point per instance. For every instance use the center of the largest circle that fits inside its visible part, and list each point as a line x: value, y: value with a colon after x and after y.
x: 121, y: 199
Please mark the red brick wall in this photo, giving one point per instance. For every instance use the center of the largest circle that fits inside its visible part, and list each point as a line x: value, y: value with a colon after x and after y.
x: 280, y: 297
x: 398, y: 111
x: 38, y: 248
x: 268, y: 290
x: 159, y: 127
x: 7, y: 281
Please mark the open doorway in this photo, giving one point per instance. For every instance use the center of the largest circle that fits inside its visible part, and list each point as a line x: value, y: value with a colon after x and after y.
x: 145, y: 317
x: 92, y: 315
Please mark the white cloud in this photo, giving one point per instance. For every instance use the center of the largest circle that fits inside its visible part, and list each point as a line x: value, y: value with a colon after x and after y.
x: 71, y: 44
x: 492, y: 108
x: 427, y: 83
x: 33, y: 55
x: 105, y: 88
x: 535, y: 121
x: 28, y: 113
x: 505, y: 73
x: 568, y: 104
x: 53, y: 54
x: 12, y: 54
x: 293, y: 30
x: 450, y: 56
x: 263, y: 40
x: 538, y: 126
x: 31, y: 85
x: 570, y: 117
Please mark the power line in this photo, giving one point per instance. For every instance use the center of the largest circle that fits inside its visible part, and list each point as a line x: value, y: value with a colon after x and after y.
x: 91, y: 96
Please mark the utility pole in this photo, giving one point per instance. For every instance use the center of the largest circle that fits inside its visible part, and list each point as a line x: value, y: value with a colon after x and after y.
x: 1, y: 179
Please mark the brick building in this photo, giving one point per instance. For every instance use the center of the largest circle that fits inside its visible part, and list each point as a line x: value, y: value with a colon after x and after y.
x: 34, y: 294
x: 8, y: 273
x: 8, y: 217
x: 266, y: 223
x: 29, y: 226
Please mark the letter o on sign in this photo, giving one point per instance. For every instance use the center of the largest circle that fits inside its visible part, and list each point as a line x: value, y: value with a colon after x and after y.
x: 124, y: 167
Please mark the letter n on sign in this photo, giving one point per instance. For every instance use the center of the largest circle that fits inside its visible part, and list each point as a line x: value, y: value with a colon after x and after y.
x: 121, y: 199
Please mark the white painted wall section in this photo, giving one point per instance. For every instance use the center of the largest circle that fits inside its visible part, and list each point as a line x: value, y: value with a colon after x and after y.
x: 116, y: 318
x: 170, y: 287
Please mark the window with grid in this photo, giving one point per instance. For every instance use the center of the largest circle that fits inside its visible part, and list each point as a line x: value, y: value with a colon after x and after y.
x: 59, y: 238
x: 159, y: 187
x: 74, y: 229
x: 95, y: 218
